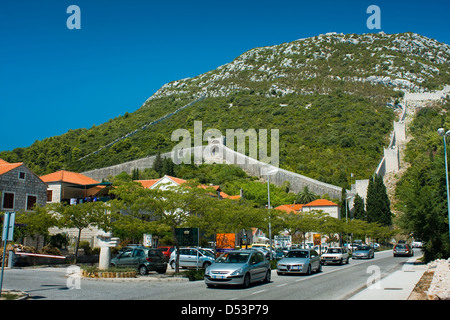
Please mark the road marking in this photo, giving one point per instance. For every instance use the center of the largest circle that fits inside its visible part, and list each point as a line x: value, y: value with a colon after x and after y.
x: 256, y: 292
x: 282, y: 285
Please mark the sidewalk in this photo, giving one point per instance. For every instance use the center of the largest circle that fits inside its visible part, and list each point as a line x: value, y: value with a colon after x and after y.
x: 397, y: 286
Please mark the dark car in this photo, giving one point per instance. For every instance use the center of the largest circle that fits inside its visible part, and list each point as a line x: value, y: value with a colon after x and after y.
x: 403, y: 249
x: 167, y: 251
x: 142, y: 258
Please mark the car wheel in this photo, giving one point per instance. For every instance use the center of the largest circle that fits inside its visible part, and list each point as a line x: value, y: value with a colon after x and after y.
x: 161, y: 271
x: 346, y: 262
x: 143, y: 270
x: 268, y: 275
x: 341, y: 261
x: 309, y: 270
x: 246, y: 282
x: 206, y: 264
x: 172, y: 265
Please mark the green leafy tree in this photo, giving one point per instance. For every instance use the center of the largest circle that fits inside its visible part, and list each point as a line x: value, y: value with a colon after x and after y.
x: 378, y: 203
x: 80, y: 216
x: 305, y: 196
x: 359, y: 211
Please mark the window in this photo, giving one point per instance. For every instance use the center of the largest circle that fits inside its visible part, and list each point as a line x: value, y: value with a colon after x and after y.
x: 22, y: 175
x: 31, y: 201
x: 138, y: 253
x: 49, y: 195
x: 8, y: 200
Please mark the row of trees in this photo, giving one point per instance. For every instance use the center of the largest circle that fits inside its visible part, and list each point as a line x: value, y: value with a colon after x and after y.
x: 137, y: 211
x: 421, y: 192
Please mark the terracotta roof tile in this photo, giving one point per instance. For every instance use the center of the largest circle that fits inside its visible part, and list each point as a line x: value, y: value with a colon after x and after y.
x: 147, y: 183
x: 290, y: 207
x: 5, y: 166
x: 69, y: 177
x: 320, y: 203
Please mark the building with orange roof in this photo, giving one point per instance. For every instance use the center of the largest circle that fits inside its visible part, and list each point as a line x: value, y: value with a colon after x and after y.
x: 20, y: 188
x: 169, y: 181
x: 72, y: 187
x: 324, y: 205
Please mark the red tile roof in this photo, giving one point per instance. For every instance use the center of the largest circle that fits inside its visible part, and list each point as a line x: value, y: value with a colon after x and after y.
x: 147, y: 183
x: 151, y: 182
x: 69, y: 177
x: 290, y: 207
x: 320, y: 203
x: 6, y: 166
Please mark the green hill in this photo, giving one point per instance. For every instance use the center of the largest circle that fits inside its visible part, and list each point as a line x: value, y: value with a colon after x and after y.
x: 331, y: 96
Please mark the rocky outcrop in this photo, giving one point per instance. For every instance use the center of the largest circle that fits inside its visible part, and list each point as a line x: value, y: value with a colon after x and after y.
x: 440, y: 285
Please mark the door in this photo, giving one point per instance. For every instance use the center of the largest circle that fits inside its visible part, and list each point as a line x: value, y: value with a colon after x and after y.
x: 124, y: 259
x: 257, y: 266
x: 138, y: 256
x: 186, y: 258
x: 315, y: 260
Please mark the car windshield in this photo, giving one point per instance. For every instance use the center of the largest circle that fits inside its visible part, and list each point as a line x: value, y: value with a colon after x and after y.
x: 364, y: 248
x: 334, y: 250
x: 400, y: 246
x: 297, y: 254
x: 155, y: 253
x: 233, y: 257
x: 206, y: 253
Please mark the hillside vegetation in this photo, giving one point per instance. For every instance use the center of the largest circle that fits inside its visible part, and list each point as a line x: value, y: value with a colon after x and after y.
x: 333, y: 98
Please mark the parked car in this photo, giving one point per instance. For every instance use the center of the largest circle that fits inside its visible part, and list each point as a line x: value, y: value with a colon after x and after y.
x: 299, y: 261
x: 403, y: 249
x: 166, y: 251
x: 142, y: 258
x: 353, y: 246
x: 363, y: 252
x: 239, y: 267
x: 335, y: 255
x: 192, y: 258
x: 417, y: 244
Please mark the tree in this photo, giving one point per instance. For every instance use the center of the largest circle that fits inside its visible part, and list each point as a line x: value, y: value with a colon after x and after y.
x: 158, y: 163
x: 378, y: 204
x: 36, y: 222
x: 80, y: 216
x: 305, y: 196
x: 359, y: 211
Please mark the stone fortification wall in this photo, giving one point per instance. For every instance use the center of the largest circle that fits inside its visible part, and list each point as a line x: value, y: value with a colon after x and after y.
x: 225, y: 155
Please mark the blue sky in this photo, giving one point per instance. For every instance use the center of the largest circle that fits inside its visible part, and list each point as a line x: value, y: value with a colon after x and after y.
x: 53, y: 79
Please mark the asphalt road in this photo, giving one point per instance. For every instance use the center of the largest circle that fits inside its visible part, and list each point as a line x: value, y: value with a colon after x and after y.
x: 335, y: 282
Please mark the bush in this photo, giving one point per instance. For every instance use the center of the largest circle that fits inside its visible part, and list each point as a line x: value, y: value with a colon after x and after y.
x: 195, y: 275
x: 49, y: 249
x: 86, y: 247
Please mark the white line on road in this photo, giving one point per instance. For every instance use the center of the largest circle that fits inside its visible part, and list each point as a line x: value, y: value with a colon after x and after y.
x: 256, y: 292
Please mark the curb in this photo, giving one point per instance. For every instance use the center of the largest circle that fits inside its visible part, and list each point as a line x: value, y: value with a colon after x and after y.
x: 140, y: 279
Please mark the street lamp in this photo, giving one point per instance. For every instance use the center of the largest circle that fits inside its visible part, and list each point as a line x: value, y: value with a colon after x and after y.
x: 270, y: 172
x: 444, y: 135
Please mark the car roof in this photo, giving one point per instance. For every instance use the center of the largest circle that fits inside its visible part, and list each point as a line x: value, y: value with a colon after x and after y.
x: 245, y: 251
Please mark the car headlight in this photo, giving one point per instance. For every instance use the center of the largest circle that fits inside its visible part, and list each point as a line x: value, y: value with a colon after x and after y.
x: 236, y: 272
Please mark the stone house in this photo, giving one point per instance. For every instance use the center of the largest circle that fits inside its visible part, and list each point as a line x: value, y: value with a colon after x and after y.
x: 20, y: 188
x: 327, y: 206
x: 72, y: 188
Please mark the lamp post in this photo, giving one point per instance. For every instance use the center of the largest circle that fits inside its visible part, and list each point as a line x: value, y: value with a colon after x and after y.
x: 268, y: 208
x: 444, y: 135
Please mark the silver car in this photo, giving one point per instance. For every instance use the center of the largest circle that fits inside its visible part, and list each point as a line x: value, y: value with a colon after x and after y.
x: 240, y: 267
x: 300, y: 261
x: 363, y: 252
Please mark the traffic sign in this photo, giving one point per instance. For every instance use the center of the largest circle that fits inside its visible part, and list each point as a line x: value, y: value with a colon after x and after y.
x: 8, y: 226
x: 187, y: 236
